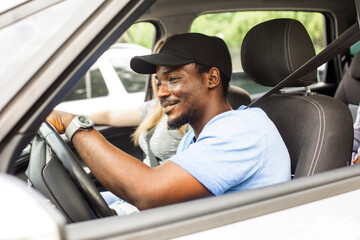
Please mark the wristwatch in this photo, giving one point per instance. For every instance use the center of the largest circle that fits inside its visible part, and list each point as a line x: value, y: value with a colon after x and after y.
x: 79, y: 123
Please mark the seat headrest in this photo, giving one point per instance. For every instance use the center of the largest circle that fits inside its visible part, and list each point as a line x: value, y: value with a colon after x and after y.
x: 274, y: 49
x: 354, y: 68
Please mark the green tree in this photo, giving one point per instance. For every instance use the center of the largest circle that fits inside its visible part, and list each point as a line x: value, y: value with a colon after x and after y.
x: 139, y: 33
x: 232, y: 26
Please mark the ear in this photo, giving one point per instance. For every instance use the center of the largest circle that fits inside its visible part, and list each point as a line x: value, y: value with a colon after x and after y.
x: 213, y: 77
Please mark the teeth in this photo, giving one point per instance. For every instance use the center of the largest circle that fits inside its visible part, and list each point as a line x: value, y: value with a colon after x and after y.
x: 168, y: 106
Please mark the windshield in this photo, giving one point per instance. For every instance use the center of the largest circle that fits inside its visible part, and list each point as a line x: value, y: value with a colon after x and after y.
x: 7, y: 4
x: 26, y: 44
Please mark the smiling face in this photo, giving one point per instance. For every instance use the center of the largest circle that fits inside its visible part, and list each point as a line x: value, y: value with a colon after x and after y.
x: 182, y: 91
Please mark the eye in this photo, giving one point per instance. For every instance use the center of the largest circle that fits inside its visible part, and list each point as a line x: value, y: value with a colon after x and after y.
x: 158, y: 83
x: 173, y: 79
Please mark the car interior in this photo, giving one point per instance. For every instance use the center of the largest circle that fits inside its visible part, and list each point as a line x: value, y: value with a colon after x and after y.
x: 314, y: 115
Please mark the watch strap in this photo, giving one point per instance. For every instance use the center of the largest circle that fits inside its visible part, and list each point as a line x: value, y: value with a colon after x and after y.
x: 80, y: 122
x: 71, y: 130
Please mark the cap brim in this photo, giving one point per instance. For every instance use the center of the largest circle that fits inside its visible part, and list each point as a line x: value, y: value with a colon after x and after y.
x: 147, y: 64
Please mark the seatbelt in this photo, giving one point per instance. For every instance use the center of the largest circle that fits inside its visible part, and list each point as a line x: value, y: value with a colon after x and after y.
x: 153, y: 161
x: 340, y: 44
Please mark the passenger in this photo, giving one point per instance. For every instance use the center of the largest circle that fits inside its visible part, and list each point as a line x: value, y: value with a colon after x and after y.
x: 226, y: 150
x: 356, y: 145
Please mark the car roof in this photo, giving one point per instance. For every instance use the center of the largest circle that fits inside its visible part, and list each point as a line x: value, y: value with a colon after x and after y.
x: 167, y: 8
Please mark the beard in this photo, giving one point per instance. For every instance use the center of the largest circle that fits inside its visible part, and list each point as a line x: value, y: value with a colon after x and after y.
x: 181, y: 120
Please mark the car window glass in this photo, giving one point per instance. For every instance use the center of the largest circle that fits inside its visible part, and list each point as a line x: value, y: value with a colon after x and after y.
x: 137, y: 40
x: 111, y: 76
x: 79, y: 92
x: 232, y: 27
x: 92, y: 85
x: 133, y: 82
x: 8, y: 4
x: 140, y: 36
x: 22, y: 41
x: 355, y: 48
x: 98, y: 86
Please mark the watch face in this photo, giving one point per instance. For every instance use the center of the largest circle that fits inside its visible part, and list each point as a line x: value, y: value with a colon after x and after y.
x: 84, y: 120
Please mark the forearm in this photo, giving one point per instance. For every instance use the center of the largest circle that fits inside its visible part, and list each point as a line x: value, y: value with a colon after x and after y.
x: 132, y: 180
x: 126, y: 176
x: 119, y: 172
x: 117, y: 118
x: 101, y: 118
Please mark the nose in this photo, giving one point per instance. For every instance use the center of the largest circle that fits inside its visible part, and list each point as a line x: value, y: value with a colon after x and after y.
x: 163, y: 91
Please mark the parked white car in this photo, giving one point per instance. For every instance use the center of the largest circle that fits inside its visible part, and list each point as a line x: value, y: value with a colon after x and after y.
x: 110, y: 83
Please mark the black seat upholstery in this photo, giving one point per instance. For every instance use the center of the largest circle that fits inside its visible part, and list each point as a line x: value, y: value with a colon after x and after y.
x: 349, y: 87
x: 237, y: 97
x: 308, y: 122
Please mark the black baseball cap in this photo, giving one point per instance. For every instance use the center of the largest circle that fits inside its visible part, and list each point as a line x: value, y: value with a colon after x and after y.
x: 184, y: 49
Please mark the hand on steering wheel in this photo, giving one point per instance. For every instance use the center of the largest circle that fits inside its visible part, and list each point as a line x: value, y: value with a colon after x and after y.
x: 72, y: 166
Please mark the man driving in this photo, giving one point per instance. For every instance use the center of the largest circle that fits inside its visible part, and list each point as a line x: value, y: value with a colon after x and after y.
x: 226, y: 151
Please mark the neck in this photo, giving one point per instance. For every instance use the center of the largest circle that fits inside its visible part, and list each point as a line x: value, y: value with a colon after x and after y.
x: 209, y: 113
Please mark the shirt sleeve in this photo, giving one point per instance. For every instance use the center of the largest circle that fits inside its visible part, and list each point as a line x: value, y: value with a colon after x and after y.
x: 145, y: 107
x: 218, y: 160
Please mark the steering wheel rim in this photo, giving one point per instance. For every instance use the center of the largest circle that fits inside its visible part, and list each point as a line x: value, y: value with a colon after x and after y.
x: 77, y: 174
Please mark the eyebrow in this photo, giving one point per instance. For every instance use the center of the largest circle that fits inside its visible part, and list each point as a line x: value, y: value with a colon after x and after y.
x: 172, y: 69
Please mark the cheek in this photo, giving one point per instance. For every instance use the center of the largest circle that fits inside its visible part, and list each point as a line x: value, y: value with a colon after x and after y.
x: 177, y: 90
x: 185, y: 91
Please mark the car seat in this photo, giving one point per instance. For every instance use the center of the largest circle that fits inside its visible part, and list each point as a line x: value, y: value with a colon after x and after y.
x: 349, y: 87
x: 237, y: 97
x: 316, y: 129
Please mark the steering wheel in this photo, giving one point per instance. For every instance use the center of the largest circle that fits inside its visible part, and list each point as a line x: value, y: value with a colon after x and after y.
x: 61, y: 174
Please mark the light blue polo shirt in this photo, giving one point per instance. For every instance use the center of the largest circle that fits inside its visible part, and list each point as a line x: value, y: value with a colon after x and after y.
x: 236, y: 150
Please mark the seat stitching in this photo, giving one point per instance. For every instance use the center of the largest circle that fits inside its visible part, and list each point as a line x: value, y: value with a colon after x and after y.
x: 323, y: 127
x: 319, y: 139
x: 286, y: 44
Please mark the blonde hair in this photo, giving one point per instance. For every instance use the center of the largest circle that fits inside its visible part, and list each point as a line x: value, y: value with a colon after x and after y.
x: 156, y: 113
